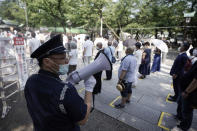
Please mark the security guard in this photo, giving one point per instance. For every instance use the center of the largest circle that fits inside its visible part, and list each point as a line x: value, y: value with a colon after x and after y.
x: 53, y: 104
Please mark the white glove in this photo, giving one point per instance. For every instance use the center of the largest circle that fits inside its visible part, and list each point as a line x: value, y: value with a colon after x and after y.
x: 73, y: 77
x: 89, y: 83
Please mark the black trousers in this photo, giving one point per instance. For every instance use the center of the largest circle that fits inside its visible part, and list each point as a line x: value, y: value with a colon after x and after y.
x: 176, y: 86
x: 179, y: 106
x: 185, y: 113
x: 109, y: 74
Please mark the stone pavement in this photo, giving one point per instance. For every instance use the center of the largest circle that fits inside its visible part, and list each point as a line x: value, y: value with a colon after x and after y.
x: 149, y: 109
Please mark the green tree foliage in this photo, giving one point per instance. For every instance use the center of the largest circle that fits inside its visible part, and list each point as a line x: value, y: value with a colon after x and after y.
x: 91, y: 12
x: 133, y: 16
x: 12, y: 11
x: 53, y: 12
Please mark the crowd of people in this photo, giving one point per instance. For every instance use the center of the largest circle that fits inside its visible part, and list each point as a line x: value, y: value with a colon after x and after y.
x: 56, y: 58
x: 66, y: 109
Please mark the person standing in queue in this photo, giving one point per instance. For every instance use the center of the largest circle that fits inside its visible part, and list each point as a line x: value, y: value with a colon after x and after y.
x: 177, y: 71
x: 109, y: 51
x: 55, y: 105
x: 138, y: 55
x: 87, y: 50
x: 126, y: 75
x: 157, y: 61
x: 144, y: 68
x: 97, y: 76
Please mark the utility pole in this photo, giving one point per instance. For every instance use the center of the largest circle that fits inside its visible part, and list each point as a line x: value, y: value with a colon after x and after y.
x: 101, y: 31
x: 101, y: 17
x: 26, y: 17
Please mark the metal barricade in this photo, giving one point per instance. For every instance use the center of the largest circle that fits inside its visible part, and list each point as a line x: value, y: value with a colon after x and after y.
x: 32, y: 65
x: 4, y: 87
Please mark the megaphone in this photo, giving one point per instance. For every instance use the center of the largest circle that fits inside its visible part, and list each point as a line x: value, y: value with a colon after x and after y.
x: 101, y: 63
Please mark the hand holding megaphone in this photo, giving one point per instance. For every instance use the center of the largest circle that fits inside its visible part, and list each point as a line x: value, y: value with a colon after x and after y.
x: 88, y: 82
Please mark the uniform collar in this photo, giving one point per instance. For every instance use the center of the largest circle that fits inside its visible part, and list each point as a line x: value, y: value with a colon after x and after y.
x: 44, y: 72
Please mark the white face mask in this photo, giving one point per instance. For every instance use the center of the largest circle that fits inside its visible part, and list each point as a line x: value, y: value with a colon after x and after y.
x: 195, y: 52
x: 97, y: 48
x: 63, y: 69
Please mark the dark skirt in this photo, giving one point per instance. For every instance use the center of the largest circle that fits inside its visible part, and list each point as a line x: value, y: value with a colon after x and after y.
x: 156, y: 63
x: 144, y: 69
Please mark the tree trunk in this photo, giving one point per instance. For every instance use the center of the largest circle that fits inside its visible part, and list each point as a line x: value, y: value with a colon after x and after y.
x: 63, y: 25
x: 156, y: 32
x: 118, y: 32
x: 170, y: 33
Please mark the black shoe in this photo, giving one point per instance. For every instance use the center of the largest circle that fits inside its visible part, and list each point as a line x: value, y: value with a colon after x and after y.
x: 177, y: 117
x: 119, y: 106
x: 127, y: 101
x: 106, y: 79
x: 172, y: 99
x: 141, y: 77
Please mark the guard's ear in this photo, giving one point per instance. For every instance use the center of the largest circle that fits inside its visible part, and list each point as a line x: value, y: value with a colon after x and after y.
x: 49, y: 64
x: 46, y: 61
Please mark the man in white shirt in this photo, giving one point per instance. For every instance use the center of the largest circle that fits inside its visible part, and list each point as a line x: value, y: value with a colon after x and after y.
x: 87, y: 50
x: 138, y: 55
x: 73, y: 54
x: 33, y: 43
x: 120, y: 50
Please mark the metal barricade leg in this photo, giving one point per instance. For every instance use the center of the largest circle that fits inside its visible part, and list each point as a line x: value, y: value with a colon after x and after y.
x: 6, y: 108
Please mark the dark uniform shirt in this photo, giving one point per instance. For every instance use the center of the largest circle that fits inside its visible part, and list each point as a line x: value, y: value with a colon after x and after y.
x: 178, y: 65
x: 189, y: 76
x: 53, y: 104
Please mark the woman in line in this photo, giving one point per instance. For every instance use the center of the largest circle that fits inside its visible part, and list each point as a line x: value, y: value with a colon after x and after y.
x: 156, y: 61
x: 144, y: 68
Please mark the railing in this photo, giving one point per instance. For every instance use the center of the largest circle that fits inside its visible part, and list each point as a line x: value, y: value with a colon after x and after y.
x: 7, y: 90
x: 4, y: 88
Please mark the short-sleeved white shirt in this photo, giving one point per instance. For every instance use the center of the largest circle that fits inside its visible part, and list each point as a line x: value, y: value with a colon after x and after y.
x: 88, y: 45
x: 129, y: 64
x: 73, y: 57
x: 138, y: 55
x: 34, y: 44
x: 120, y: 46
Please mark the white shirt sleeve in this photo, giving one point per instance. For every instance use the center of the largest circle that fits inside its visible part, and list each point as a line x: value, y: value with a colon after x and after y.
x: 70, y: 53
